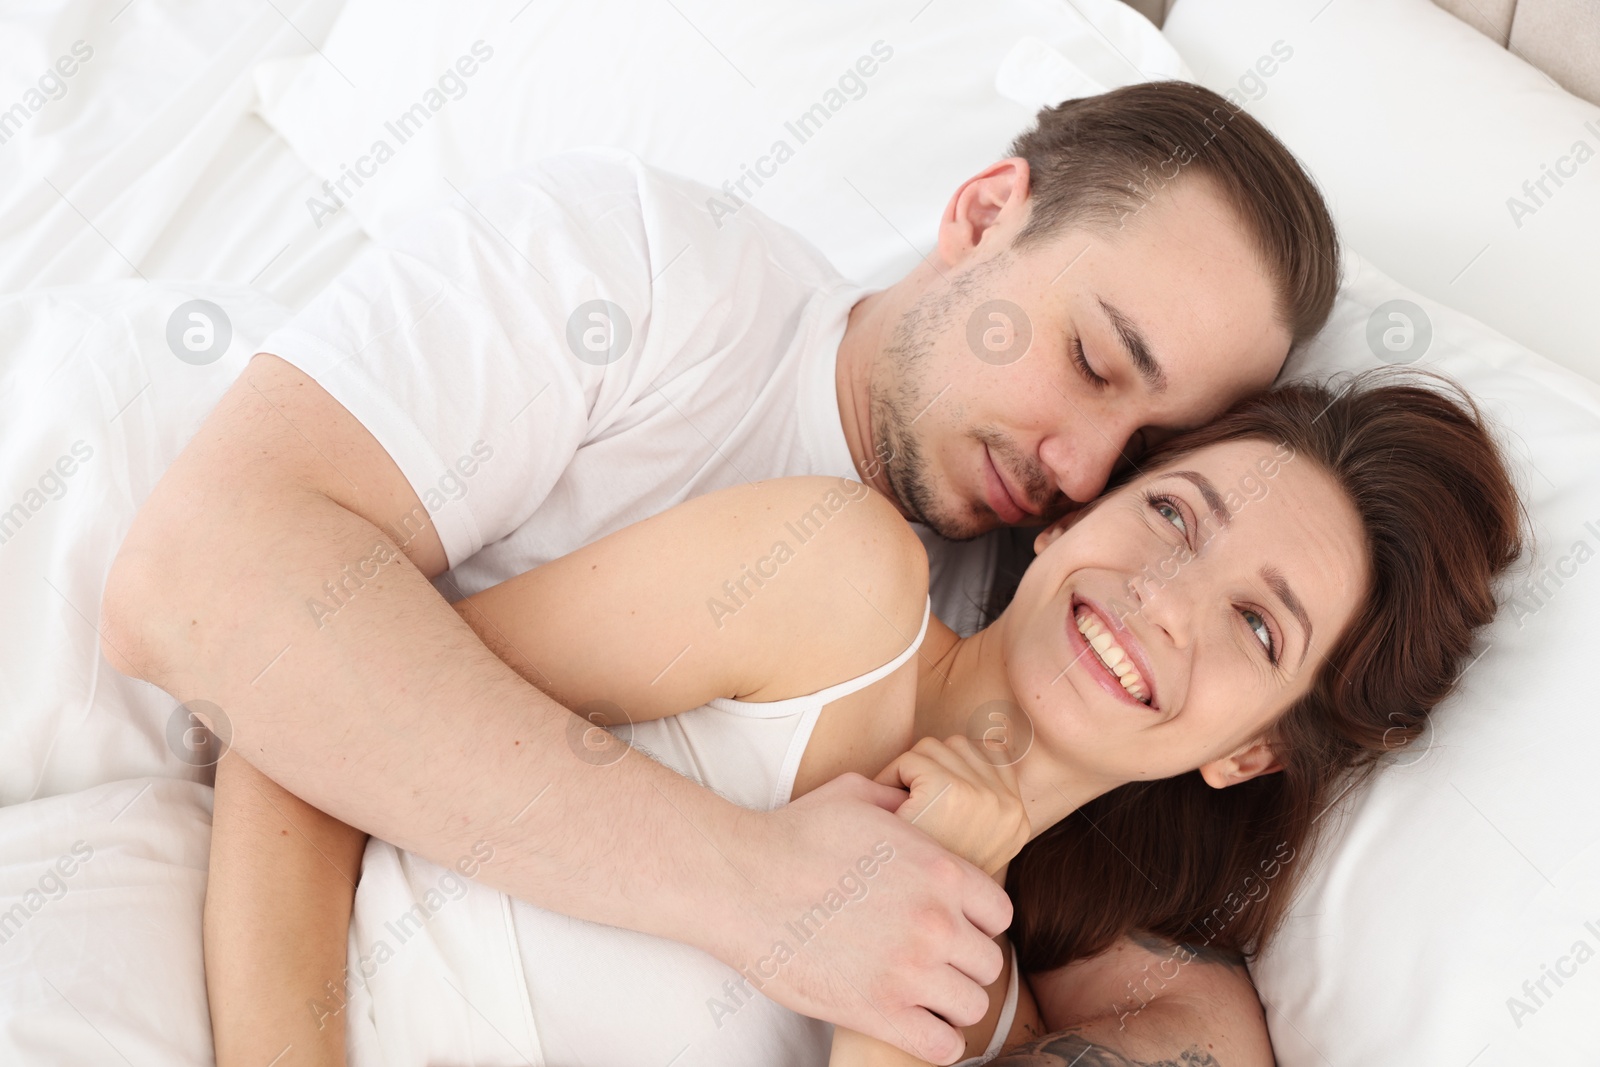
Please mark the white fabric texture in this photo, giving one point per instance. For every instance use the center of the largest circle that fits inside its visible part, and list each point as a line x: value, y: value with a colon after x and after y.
x: 461, y: 345
x: 1427, y: 915
x: 469, y: 325
x: 148, y: 161
x: 707, y: 89
x: 1453, y: 165
x: 445, y: 966
x: 100, y: 898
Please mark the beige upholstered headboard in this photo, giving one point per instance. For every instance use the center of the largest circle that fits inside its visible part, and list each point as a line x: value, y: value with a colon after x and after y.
x: 1560, y: 37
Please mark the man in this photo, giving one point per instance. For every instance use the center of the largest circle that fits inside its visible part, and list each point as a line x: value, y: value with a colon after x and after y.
x: 579, y: 346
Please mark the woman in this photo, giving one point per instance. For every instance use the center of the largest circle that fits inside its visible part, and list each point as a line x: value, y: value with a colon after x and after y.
x: 1204, y: 653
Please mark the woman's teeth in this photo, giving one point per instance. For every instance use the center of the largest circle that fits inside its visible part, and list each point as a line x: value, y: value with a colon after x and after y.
x: 1111, y: 654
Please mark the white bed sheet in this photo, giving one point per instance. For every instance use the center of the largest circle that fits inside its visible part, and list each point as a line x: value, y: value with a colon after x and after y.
x: 149, y: 165
x: 76, y: 988
x: 152, y: 162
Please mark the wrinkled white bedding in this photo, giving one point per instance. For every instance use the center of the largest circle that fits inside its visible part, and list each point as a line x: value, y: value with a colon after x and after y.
x: 150, y: 165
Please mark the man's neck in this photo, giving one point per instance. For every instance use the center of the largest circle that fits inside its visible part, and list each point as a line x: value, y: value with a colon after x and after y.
x: 859, y: 350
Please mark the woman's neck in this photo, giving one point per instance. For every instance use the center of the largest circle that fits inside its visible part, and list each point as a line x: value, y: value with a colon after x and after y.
x: 963, y: 689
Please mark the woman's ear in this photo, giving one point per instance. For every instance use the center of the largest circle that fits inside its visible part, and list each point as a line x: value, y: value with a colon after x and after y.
x: 1057, y: 528
x: 1251, y: 761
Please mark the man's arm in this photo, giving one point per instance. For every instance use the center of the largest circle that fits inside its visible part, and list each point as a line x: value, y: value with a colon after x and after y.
x: 392, y: 716
x: 1147, y: 1002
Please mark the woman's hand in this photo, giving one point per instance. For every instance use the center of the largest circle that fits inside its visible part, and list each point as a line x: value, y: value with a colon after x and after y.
x: 962, y: 799
x: 970, y: 805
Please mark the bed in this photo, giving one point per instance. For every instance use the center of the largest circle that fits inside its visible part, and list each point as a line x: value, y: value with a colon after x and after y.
x: 205, y: 160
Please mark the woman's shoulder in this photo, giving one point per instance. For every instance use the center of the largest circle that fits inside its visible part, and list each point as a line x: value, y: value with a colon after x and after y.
x: 770, y: 589
x: 830, y: 573
x: 860, y: 523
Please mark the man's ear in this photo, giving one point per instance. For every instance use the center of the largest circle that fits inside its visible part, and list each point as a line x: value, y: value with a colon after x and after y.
x: 994, y: 201
x: 1251, y: 761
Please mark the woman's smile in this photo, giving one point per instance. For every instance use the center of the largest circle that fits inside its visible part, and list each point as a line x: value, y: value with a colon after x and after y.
x: 1111, y: 654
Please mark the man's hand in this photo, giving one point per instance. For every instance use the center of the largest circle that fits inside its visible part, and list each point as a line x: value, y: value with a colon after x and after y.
x: 393, y: 717
x: 968, y: 803
x: 884, y: 887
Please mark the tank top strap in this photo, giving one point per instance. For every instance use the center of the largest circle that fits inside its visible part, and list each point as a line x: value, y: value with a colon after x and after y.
x: 834, y: 692
x: 775, y: 709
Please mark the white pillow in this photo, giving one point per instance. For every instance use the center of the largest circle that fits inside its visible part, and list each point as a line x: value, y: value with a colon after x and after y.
x: 1422, y: 133
x: 100, y: 954
x: 1473, y: 860
x: 706, y: 89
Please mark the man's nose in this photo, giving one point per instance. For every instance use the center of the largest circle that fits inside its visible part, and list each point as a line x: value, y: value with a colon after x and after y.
x: 1082, y: 461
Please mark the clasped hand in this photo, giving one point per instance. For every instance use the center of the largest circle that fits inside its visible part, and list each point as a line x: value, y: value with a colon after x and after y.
x: 963, y: 798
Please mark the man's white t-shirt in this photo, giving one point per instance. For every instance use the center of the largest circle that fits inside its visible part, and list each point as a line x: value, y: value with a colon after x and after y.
x: 579, y: 345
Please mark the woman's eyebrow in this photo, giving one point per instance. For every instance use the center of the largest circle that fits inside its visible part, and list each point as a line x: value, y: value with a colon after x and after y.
x: 1279, y: 585
x: 1213, y: 499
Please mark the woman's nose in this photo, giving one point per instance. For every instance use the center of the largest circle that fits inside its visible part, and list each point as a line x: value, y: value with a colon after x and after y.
x: 1162, y: 600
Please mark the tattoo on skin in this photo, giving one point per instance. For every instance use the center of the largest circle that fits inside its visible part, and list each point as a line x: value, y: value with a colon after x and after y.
x: 1160, y: 946
x: 1072, y: 1050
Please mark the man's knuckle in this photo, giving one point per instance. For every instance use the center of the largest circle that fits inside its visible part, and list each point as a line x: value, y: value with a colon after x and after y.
x: 929, y: 919
x: 945, y: 872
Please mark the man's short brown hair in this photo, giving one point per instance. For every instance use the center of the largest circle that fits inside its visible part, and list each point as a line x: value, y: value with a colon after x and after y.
x: 1097, y: 161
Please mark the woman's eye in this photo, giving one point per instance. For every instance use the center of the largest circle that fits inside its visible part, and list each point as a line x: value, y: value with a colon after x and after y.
x: 1170, y: 511
x: 1258, y: 626
x: 1174, y: 514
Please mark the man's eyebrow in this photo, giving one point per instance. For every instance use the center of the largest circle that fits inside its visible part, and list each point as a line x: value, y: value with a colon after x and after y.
x: 1138, y: 350
x: 1213, y: 499
x: 1280, y: 587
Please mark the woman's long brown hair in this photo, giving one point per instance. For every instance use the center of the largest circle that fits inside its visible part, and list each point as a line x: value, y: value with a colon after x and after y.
x: 1216, y: 867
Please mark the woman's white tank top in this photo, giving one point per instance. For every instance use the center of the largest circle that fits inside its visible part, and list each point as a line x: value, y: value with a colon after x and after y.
x: 444, y: 971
